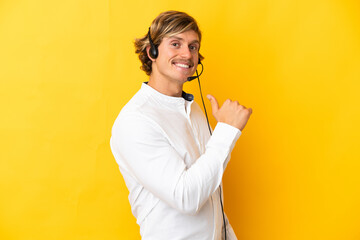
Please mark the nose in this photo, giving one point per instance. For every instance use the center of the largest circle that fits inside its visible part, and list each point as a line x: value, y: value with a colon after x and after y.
x: 185, y: 52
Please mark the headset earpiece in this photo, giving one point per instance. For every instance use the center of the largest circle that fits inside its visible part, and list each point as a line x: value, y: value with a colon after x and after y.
x: 153, y: 51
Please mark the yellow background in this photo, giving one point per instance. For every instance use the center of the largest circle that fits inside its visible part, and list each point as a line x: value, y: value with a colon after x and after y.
x: 67, y: 68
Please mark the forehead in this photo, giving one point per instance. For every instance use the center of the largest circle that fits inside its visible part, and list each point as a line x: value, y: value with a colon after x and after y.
x: 188, y: 36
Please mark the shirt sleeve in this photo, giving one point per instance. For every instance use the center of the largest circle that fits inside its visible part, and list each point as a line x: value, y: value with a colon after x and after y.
x: 141, y: 148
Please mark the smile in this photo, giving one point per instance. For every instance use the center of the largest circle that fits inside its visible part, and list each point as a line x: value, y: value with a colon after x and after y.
x: 182, y: 65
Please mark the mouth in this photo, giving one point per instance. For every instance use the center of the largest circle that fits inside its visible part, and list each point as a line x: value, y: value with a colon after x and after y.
x: 185, y: 65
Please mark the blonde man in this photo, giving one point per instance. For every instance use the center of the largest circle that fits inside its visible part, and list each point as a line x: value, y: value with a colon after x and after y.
x: 170, y: 162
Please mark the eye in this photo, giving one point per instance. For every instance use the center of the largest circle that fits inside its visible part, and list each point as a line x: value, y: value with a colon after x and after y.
x: 193, y: 47
x: 175, y: 44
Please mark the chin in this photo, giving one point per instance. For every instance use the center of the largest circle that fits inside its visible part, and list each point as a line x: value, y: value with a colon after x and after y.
x: 182, y: 79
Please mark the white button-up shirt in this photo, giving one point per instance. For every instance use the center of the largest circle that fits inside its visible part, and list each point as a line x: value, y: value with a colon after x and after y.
x: 172, y: 166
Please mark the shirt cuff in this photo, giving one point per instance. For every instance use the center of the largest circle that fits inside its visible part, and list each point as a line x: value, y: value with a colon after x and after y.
x: 225, y: 136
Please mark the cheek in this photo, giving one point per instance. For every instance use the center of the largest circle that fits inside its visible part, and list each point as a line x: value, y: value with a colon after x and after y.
x: 169, y: 52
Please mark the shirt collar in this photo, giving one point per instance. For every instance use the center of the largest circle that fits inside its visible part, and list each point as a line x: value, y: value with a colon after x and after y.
x: 165, y: 98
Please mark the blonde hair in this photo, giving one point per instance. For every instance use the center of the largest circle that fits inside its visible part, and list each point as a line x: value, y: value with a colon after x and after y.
x: 167, y: 24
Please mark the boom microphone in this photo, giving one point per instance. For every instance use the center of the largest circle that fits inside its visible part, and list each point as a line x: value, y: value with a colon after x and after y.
x: 193, y: 77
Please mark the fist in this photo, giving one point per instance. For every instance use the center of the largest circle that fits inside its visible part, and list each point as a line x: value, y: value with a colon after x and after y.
x: 231, y: 112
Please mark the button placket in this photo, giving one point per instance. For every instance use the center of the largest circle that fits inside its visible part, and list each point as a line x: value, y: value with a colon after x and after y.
x: 194, y: 132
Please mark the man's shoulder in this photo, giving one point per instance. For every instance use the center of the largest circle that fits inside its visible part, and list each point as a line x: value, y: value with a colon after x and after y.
x: 134, y: 104
x: 136, y: 111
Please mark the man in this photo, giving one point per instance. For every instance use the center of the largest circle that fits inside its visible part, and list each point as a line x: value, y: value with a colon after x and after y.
x: 170, y: 162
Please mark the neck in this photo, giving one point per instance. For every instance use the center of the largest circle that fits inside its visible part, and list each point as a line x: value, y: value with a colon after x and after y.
x: 165, y: 86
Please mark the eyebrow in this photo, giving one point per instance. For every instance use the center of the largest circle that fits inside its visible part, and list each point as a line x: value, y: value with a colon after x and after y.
x: 181, y: 39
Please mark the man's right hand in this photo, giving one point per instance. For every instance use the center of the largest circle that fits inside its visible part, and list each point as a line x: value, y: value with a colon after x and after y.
x: 231, y: 112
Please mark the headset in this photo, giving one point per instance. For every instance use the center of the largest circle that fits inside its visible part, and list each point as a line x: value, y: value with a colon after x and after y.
x: 154, y: 53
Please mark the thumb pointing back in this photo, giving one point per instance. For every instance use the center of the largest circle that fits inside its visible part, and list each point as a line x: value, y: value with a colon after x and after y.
x: 214, y: 103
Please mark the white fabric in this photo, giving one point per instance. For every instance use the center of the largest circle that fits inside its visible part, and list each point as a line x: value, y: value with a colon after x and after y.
x: 171, y: 166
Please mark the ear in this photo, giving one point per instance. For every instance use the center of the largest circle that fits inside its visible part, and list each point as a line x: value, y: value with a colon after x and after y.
x: 147, y: 52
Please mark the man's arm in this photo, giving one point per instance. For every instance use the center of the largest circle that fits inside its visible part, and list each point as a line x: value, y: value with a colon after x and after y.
x: 141, y: 148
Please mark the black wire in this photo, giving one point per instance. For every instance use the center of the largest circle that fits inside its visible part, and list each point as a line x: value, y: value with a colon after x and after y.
x: 207, y: 119
x: 222, y: 209
x: 202, y: 99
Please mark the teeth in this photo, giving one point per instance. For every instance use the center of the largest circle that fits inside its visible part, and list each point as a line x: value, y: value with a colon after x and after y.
x: 182, y: 65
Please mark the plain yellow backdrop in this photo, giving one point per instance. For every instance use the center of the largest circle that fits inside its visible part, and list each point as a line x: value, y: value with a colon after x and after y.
x: 68, y: 67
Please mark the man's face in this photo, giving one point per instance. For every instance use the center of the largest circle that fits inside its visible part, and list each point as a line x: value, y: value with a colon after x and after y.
x: 178, y: 57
